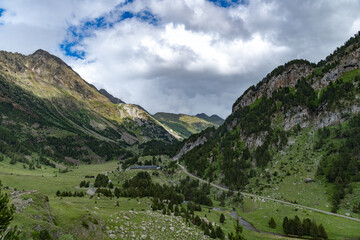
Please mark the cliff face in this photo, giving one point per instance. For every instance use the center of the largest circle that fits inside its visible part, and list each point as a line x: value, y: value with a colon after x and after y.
x: 333, y: 78
x: 288, y: 78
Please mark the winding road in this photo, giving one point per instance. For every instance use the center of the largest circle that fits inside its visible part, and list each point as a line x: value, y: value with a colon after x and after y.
x: 267, y: 198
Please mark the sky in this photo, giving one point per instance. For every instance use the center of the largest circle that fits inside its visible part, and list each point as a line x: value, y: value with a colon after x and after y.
x: 180, y: 56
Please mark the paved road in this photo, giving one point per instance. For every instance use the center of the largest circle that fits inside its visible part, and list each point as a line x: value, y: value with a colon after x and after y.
x: 266, y: 198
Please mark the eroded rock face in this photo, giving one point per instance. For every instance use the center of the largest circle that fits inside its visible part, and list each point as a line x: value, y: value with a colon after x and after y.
x: 189, y: 146
x: 300, y: 115
x: 347, y: 63
x: 288, y: 78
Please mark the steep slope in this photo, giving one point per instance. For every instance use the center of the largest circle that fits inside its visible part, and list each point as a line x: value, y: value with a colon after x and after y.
x: 48, y: 105
x: 186, y: 125
x: 274, y: 139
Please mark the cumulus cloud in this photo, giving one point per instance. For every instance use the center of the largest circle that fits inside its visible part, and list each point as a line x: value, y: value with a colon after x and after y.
x: 186, y: 56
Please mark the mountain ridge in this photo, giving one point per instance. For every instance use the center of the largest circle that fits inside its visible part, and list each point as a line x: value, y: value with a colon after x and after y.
x: 60, y: 100
x: 314, y: 107
x: 184, y: 124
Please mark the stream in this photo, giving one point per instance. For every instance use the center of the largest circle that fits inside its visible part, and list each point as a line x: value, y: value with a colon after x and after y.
x: 247, y: 225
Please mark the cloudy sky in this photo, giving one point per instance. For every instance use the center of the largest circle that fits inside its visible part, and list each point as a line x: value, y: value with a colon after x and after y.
x: 187, y: 56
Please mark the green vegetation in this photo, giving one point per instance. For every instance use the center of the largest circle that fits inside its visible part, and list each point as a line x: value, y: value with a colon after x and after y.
x: 304, y: 228
x: 6, y: 216
x: 186, y: 125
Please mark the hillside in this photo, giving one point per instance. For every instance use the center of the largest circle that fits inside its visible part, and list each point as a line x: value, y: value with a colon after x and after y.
x: 213, y: 118
x: 301, y: 122
x: 48, y: 110
x: 186, y: 125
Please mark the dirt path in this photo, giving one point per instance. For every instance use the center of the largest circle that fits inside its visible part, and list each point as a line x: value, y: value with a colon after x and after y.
x: 270, y: 199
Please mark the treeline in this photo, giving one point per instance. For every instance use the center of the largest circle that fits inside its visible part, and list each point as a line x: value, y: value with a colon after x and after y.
x: 305, y: 228
x: 157, y: 147
x: 84, y: 184
x: 141, y: 185
x: 340, y: 164
x: 193, y: 191
x: 69, y: 194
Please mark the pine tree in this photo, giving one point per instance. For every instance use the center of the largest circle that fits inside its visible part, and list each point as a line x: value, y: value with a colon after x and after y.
x: 286, y: 225
x: 6, y: 216
x: 314, y: 230
x: 272, y: 223
x: 322, y: 232
x: 238, y: 232
x: 219, y: 233
x: 222, y: 218
x: 298, y: 226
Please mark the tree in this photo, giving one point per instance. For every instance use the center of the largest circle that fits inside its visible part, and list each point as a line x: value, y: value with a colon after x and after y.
x: 238, y: 232
x: 222, y: 218
x: 272, y: 223
x: 322, y: 232
x: 6, y: 215
x: 101, y: 180
x: 219, y: 233
x: 314, y: 230
x: 286, y: 225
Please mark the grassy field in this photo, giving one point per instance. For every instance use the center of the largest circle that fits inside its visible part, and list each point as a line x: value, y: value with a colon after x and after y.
x: 89, y: 217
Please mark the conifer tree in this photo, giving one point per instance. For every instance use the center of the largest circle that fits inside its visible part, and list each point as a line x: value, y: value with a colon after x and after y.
x: 272, y: 223
x: 322, y: 232
x: 222, y: 218
x: 6, y: 216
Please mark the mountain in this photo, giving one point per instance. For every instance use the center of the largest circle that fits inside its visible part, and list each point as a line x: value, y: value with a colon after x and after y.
x: 186, y: 125
x: 48, y: 108
x: 110, y: 97
x: 301, y: 122
x: 213, y: 118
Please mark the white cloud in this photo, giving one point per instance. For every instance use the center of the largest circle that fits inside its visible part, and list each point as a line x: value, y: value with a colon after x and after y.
x: 198, y: 57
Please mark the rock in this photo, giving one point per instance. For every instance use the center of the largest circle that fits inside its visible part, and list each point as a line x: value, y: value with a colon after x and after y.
x: 308, y: 180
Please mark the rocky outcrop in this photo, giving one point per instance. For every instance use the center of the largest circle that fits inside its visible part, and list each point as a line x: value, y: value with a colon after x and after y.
x: 288, y: 78
x: 188, y: 146
x: 345, y: 64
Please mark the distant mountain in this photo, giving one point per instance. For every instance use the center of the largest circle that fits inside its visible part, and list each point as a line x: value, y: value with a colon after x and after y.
x: 186, y: 125
x: 213, y: 118
x: 47, y: 108
x: 110, y: 97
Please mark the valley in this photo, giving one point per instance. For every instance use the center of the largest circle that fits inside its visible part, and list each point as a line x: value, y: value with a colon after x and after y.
x: 286, y: 160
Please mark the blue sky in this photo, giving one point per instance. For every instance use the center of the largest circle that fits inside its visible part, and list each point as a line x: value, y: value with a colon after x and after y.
x: 76, y: 34
x: 178, y: 56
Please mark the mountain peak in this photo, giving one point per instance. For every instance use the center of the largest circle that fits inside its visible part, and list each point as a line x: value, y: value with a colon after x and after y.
x: 213, y: 118
x: 41, y: 52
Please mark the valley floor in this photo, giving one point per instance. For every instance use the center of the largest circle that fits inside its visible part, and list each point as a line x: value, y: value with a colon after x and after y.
x: 92, y: 217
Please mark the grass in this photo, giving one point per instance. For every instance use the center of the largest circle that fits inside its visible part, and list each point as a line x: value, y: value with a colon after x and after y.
x: 66, y: 215
x: 259, y: 213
